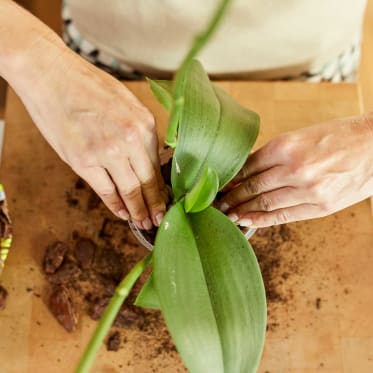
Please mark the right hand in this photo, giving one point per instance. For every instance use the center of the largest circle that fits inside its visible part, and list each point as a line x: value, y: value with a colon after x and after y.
x: 100, y: 129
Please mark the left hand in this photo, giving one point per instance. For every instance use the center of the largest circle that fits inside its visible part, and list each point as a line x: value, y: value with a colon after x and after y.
x: 304, y: 174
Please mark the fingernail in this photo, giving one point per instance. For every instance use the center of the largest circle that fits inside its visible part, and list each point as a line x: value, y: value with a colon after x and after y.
x: 138, y: 224
x: 123, y: 214
x: 224, y: 207
x: 158, y: 218
x: 147, y: 223
x: 245, y: 222
x: 233, y: 217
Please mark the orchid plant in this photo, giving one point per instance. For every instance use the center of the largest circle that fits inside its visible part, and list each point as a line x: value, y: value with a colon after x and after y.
x: 205, y: 278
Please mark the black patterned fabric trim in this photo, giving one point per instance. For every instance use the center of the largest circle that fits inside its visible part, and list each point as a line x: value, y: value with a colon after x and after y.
x: 342, y: 69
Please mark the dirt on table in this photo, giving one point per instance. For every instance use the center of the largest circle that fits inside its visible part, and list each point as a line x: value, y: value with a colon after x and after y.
x: 276, y: 249
x: 3, y: 297
x: 84, y: 272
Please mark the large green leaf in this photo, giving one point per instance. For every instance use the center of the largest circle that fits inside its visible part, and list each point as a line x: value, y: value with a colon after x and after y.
x: 210, y: 290
x: 214, y: 130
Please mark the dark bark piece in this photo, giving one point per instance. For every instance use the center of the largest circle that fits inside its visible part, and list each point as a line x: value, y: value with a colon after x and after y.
x: 84, y: 252
x: 63, y: 309
x: 68, y: 272
x: 98, y: 307
x: 113, y: 342
x: 109, y: 263
x: 128, y: 318
x: 3, y: 296
x: 54, y: 256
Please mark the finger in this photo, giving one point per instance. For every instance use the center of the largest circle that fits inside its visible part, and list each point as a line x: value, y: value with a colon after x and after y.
x: 281, y: 216
x: 266, y: 181
x: 144, y: 169
x: 154, y: 156
x: 102, y: 184
x: 129, y: 188
x: 259, y: 161
x: 152, y: 149
x: 274, y: 200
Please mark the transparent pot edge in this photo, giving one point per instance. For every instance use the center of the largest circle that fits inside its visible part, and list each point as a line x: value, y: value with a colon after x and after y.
x: 140, y: 237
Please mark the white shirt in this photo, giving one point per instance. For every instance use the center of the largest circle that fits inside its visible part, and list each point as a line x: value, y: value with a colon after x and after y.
x: 258, y: 38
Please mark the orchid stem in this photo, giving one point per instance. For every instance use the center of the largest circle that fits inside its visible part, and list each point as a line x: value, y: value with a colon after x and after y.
x: 199, y: 42
x: 111, y: 311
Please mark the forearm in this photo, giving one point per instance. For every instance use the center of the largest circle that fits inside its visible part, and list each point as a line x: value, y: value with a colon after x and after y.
x: 28, y: 48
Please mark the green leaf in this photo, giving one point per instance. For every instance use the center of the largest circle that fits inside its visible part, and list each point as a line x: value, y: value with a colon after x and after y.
x: 210, y: 290
x: 214, y: 131
x: 162, y: 90
x: 239, y: 128
x: 148, y: 297
x: 203, y: 192
x: 199, y: 125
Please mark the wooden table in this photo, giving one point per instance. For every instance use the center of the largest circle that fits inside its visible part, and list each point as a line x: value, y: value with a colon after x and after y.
x: 326, y: 323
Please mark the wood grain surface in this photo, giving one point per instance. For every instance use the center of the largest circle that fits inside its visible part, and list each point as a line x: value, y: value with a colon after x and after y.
x: 320, y: 272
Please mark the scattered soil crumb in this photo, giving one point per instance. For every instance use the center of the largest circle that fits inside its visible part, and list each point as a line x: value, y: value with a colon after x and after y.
x: 71, y: 201
x: 94, y: 201
x: 80, y: 184
x: 318, y: 303
x: 113, y: 342
x: 98, y: 307
x: 3, y: 296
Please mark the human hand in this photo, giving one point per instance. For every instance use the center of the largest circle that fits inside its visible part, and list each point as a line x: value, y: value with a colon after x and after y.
x: 108, y: 137
x: 102, y: 131
x: 308, y: 173
x: 93, y: 122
